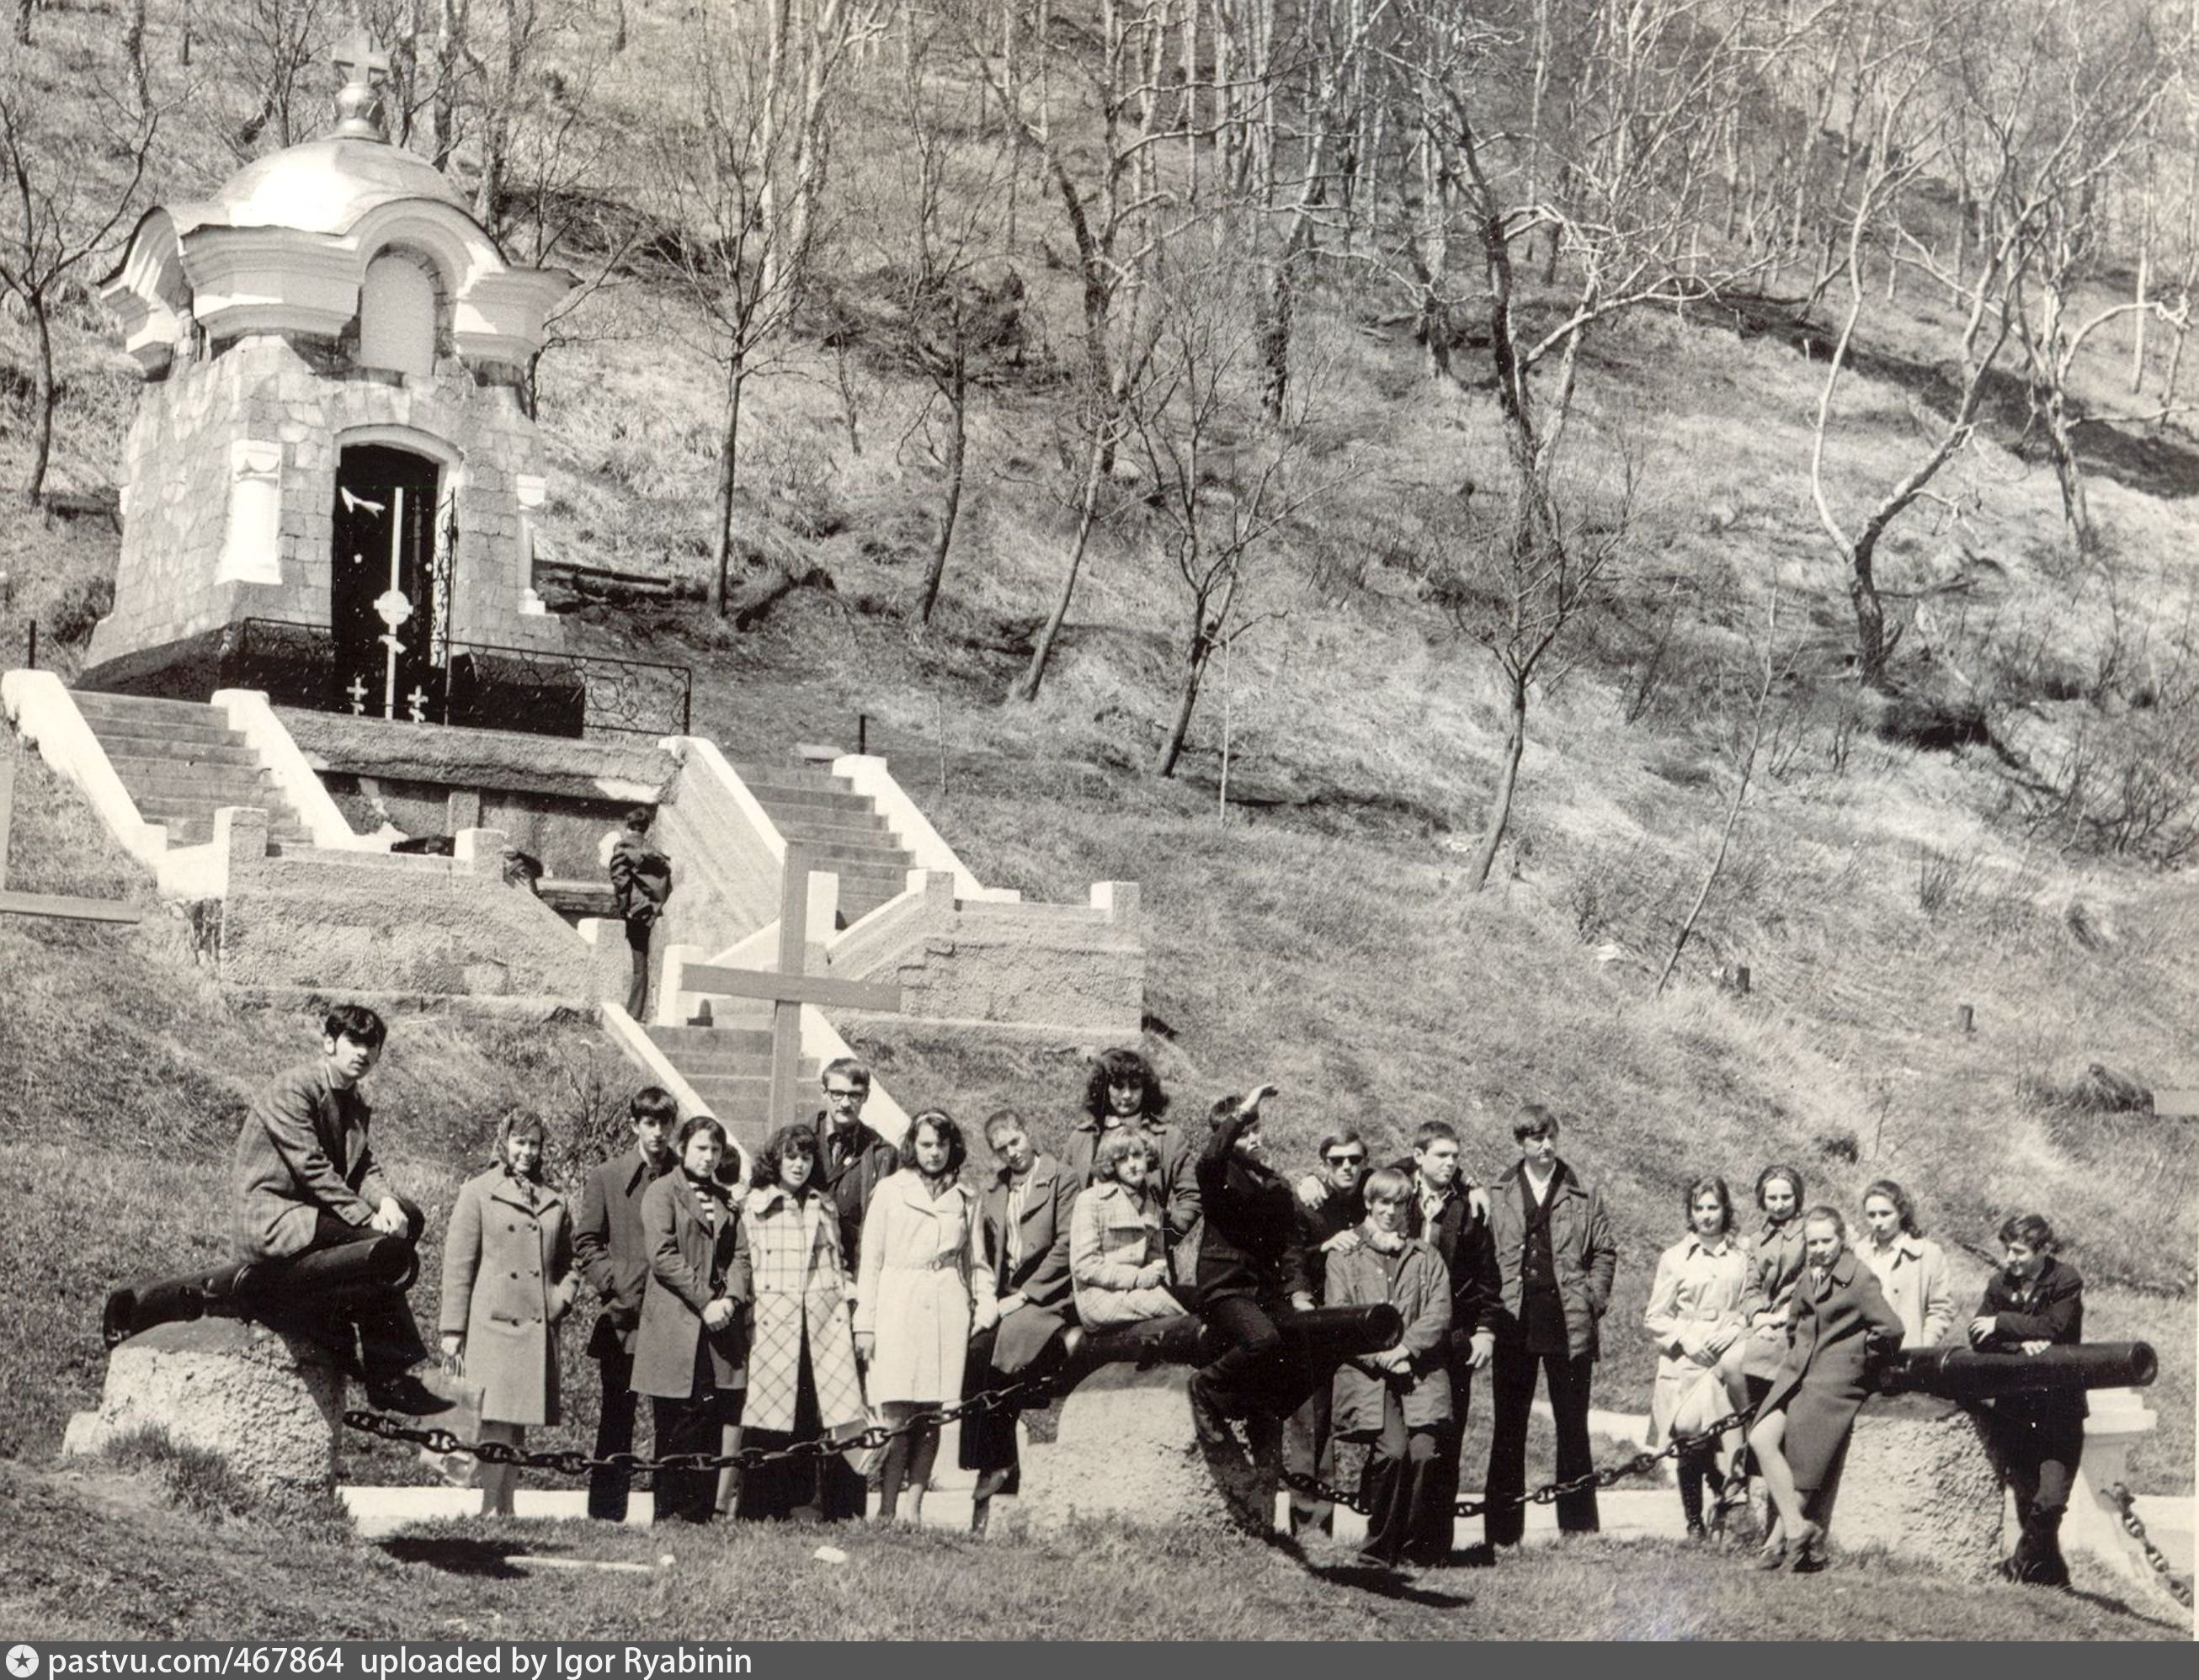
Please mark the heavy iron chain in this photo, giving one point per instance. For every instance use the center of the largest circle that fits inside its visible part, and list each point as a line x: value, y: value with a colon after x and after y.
x: 572, y: 1461
x: 1547, y: 1495
x: 2127, y: 1504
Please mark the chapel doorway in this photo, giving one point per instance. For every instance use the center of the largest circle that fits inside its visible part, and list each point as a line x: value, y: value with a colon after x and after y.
x: 388, y: 587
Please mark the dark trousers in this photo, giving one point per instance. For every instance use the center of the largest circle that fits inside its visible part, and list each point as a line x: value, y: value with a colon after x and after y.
x: 1450, y: 1439
x: 615, y: 1420
x: 692, y: 1424
x: 636, y: 992
x: 823, y: 1488
x: 1512, y: 1383
x: 374, y: 1316
x: 1408, y: 1518
x: 1255, y: 1377
x: 1310, y: 1449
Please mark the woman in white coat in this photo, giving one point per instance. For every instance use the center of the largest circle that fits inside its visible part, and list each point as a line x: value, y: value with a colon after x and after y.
x: 1911, y: 1268
x: 1694, y: 1318
x: 924, y: 1289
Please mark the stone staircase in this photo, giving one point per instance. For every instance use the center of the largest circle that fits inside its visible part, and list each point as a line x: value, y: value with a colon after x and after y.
x: 729, y: 1065
x: 181, y: 762
x: 842, y: 828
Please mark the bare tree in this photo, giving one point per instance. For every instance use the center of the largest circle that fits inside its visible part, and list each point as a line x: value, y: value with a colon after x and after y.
x: 710, y: 176
x: 1222, y: 479
x: 60, y: 207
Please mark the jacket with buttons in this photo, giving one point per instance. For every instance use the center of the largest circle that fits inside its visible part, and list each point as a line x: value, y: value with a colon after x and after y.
x: 508, y: 1281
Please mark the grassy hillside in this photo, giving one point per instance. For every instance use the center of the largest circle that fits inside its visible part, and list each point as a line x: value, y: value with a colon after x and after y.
x: 1314, y: 932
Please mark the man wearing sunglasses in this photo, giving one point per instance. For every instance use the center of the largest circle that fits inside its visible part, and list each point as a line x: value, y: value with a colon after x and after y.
x: 1327, y: 1228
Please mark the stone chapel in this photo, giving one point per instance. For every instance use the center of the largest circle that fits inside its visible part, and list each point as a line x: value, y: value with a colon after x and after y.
x: 332, y: 483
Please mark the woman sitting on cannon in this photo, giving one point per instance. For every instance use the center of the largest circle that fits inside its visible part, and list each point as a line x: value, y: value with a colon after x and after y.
x: 1839, y: 1321
x: 1118, y: 1258
x: 2035, y: 1301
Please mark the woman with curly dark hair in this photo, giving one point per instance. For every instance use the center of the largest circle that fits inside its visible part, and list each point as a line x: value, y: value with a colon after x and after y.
x: 926, y: 1286
x: 1121, y: 1089
x: 802, y: 1381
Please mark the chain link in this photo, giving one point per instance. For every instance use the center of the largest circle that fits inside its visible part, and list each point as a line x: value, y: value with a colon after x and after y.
x: 1548, y: 1495
x: 571, y: 1462
x: 2127, y: 1503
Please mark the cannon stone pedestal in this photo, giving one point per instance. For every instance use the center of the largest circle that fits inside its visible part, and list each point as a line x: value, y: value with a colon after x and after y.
x: 1126, y: 1448
x: 270, y: 1406
x: 1920, y: 1482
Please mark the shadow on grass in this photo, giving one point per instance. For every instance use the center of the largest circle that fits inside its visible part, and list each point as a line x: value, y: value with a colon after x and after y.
x: 2156, y: 465
x: 1399, y: 1588
x: 460, y: 1555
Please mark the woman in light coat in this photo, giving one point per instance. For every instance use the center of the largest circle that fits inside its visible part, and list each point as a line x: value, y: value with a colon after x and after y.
x: 1117, y: 1255
x: 1694, y: 1318
x: 507, y: 1283
x: 802, y: 1381
x: 1911, y: 1268
x: 925, y: 1287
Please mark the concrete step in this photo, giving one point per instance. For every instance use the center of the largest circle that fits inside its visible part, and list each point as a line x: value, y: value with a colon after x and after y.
x: 210, y: 783
x: 677, y: 1041
x: 827, y: 822
x: 282, y: 821
x: 867, y: 860
x: 790, y: 775
x: 143, y: 749
x: 153, y: 734
x: 137, y: 707
x: 810, y: 800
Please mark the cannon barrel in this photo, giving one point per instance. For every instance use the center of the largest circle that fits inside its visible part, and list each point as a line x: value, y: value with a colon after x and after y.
x: 246, y: 1290
x: 1959, y: 1373
x: 1323, y: 1337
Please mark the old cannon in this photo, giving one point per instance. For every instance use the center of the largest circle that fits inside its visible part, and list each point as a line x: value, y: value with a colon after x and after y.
x: 1128, y: 1445
x: 1959, y: 1373
x: 289, y: 1295
x: 1922, y: 1475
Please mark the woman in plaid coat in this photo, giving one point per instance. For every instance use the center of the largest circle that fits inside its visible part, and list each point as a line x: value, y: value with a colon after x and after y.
x: 803, y: 1383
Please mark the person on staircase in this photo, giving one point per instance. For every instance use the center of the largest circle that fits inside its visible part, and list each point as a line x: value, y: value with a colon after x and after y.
x: 1556, y: 1258
x: 2035, y: 1301
x: 303, y: 1181
x: 641, y: 882
x: 688, y: 1356
x: 508, y: 1283
x: 1025, y: 1214
x: 607, y: 1245
x: 926, y: 1287
x: 1123, y: 1089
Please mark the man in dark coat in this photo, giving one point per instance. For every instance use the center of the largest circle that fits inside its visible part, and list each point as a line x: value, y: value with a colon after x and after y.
x: 1555, y: 1257
x: 1326, y: 1226
x: 303, y: 1181
x: 1251, y: 1262
x: 607, y: 1245
x: 2034, y: 1302
x: 641, y: 882
x: 852, y: 1160
x: 1024, y: 1232
x: 1441, y: 1214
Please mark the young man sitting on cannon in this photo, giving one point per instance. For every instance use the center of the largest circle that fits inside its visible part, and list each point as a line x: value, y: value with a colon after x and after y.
x: 327, y: 1244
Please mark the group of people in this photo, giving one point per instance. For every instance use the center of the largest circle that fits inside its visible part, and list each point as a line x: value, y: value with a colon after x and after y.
x: 838, y: 1278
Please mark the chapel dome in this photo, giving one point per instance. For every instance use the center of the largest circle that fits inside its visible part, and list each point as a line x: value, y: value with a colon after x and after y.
x: 324, y: 186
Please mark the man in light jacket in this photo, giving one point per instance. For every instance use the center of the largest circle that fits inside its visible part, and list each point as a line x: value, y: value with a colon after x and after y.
x: 1555, y: 1259
x: 305, y: 1181
x: 607, y: 1247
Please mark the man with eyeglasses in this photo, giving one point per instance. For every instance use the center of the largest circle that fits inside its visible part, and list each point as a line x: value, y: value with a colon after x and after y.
x: 852, y: 1160
x: 1327, y: 1228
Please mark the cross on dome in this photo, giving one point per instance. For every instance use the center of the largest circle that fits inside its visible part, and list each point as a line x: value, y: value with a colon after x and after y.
x: 358, y: 102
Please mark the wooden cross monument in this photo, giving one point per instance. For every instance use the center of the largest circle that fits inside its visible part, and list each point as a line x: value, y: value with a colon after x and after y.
x: 51, y: 907
x: 790, y: 987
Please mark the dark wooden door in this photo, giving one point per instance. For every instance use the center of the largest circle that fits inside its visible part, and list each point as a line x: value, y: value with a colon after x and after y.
x: 383, y: 598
